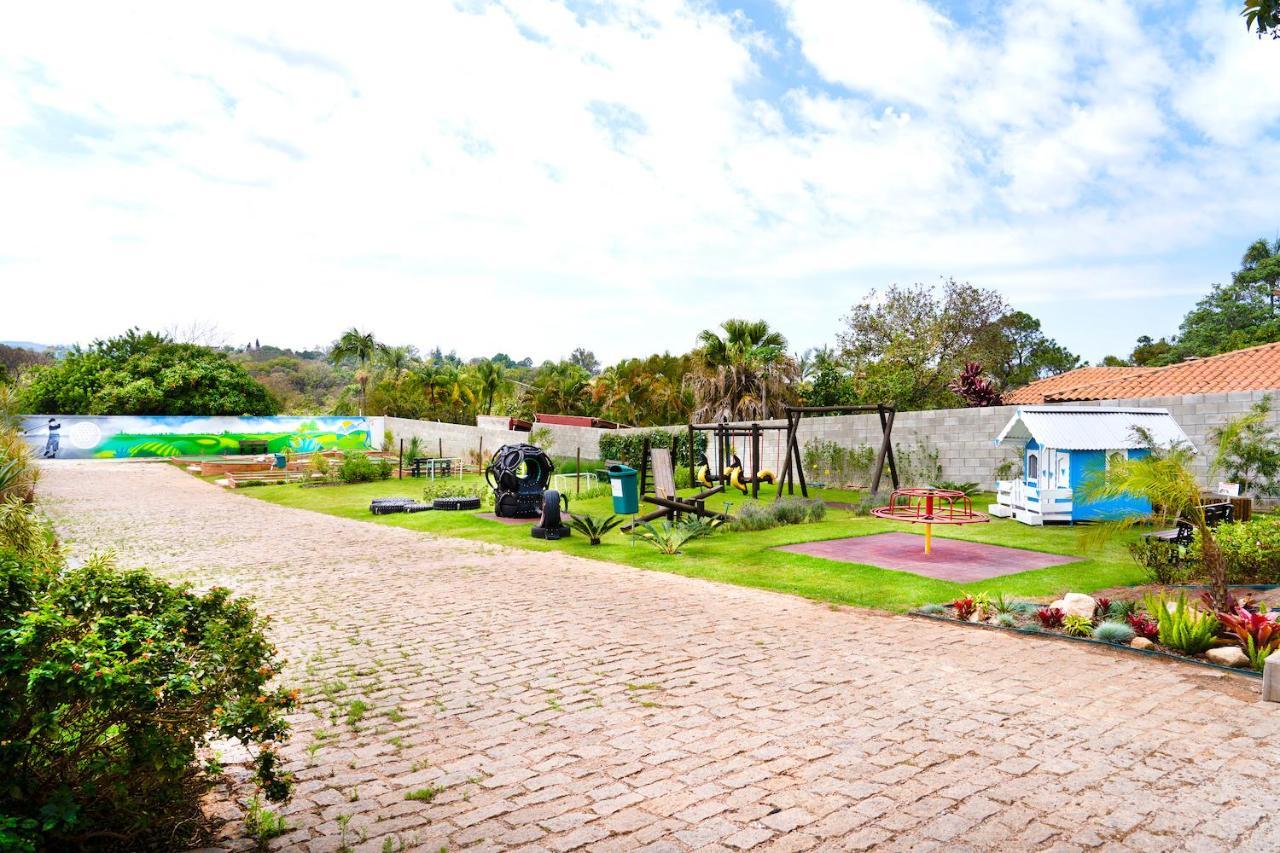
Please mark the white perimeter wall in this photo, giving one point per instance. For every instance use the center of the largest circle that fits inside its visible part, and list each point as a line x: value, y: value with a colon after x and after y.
x: 963, y: 437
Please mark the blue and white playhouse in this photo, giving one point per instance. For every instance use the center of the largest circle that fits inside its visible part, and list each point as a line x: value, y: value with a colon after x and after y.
x: 1063, y: 446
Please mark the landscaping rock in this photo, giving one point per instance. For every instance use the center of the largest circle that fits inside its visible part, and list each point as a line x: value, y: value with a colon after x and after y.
x: 1076, y: 604
x: 1227, y: 656
x: 1141, y: 643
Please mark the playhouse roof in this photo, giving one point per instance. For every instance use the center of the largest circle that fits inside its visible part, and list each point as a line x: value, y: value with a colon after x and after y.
x: 1091, y: 427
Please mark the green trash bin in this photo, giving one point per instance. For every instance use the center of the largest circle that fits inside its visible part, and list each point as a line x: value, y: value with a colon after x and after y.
x: 626, y: 492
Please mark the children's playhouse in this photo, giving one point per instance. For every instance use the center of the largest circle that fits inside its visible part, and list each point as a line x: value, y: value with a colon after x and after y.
x: 1063, y: 447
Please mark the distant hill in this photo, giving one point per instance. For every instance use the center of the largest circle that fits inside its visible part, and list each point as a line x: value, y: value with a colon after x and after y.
x: 32, y: 345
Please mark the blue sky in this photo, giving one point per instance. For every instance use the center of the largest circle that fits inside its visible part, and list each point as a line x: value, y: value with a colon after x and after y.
x: 533, y: 175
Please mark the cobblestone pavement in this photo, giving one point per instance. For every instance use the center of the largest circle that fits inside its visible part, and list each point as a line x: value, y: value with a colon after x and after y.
x: 556, y: 703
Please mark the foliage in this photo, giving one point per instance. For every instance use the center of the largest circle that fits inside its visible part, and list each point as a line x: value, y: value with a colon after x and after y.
x: 1050, y: 617
x: 645, y: 391
x: 1249, y: 451
x: 1009, y: 468
x: 412, y: 449
x: 789, y: 510
x: 1250, y: 549
x: 967, y: 489
x: 360, y: 347
x: 1144, y: 626
x: 1000, y: 604
x: 1075, y: 625
x: 593, y: 527
x: 1101, y: 607
x: 1006, y: 620
x: 1182, y: 626
x: 541, y: 437
x: 1017, y: 352
x: 18, y: 471
x: 263, y: 823
x: 745, y: 374
x: 22, y: 531
x: 1165, y: 479
x: 1263, y: 15
x: 668, y: 537
x: 491, y: 382
x: 145, y: 374
x: 965, y: 607
x: 919, y: 464
x: 1258, y: 633
x: 973, y: 388
x: 1121, y: 609
x: 359, y: 468
x: 933, y: 609
x: 834, y: 463
x: 1113, y: 632
x: 1163, y: 561
x: 450, y: 488
x: 111, y: 682
x: 627, y: 447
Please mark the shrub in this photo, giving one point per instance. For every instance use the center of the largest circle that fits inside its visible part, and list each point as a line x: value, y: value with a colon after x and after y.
x: 18, y: 471
x: 965, y: 607
x: 753, y: 516
x: 1251, y: 549
x: 836, y: 464
x: 934, y: 609
x: 110, y: 683
x: 762, y: 516
x: 1164, y: 561
x: 1182, y: 626
x: 1113, y: 632
x: 1076, y: 625
x: 592, y: 527
x: 359, y: 468
x: 1006, y: 620
x: 1144, y: 626
x: 1001, y: 605
x: 22, y: 530
x: 1050, y: 617
x: 1101, y: 607
x: 626, y: 447
x: 1120, y: 609
x: 967, y: 489
x: 445, y: 488
x: 542, y: 437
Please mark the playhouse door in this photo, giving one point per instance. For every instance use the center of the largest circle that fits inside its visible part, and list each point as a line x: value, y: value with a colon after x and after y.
x: 1064, y: 470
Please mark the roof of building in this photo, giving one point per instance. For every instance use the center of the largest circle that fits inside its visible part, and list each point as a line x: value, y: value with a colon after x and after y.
x: 1091, y: 427
x: 574, y: 420
x: 1253, y: 369
x: 1037, y: 391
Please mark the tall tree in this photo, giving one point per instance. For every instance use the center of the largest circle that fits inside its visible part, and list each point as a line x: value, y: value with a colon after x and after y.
x: 743, y: 374
x: 1018, y: 352
x: 905, y: 345
x: 360, y: 347
x: 585, y: 359
x: 491, y: 382
x: 1263, y: 16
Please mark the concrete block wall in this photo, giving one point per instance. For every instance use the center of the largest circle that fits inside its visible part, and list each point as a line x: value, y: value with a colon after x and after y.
x: 963, y: 437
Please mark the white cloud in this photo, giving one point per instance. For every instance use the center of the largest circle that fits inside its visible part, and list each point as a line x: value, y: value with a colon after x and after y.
x: 531, y: 177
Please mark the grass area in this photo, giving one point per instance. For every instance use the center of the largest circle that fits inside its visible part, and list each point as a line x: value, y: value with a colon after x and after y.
x: 746, y: 559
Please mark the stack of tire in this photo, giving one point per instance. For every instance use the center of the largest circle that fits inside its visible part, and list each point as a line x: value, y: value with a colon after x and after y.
x: 518, y: 475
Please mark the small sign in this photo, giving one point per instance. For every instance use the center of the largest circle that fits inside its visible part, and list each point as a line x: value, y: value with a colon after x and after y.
x: 616, y: 488
x: 1231, y: 490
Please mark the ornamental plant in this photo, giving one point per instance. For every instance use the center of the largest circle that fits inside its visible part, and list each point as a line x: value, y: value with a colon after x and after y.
x: 1076, y: 625
x: 1050, y: 617
x: 1258, y: 633
x: 1182, y: 626
x: 965, y: 607
x: 111, y: 682
x: 1144, y: 626
x: 593, y: 527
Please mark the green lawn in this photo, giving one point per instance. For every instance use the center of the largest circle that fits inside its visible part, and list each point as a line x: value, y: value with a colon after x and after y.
x: 746, y: 558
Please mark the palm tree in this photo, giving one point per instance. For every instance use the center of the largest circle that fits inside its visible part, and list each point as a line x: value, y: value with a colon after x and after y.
x: 1165, y: 479
x: 396, y: 360
x: 360, y: 347
x: 491, y: 382
x: 738, y: 373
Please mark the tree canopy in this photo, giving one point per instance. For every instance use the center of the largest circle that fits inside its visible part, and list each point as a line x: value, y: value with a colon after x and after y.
x: 145, y: 374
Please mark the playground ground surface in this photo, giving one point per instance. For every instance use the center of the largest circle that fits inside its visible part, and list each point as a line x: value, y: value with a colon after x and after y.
x: 752, y: 558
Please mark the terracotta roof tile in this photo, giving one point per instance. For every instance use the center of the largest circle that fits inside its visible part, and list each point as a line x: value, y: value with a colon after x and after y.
x: 1253, y: 369
x: 1038, y: 391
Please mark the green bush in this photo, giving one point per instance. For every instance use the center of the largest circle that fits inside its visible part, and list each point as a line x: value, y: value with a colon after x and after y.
x: 627, y: 447
x: 762, y: 516
x: 1251, y: 549
x: 359, y: 468
x: 1164, y: 561
x: 446, y: 488
x: 1113, y: 632
x: 110, y: 683
x: 1182, y: 626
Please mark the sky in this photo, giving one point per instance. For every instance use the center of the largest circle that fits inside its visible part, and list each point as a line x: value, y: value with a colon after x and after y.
x: 531, y: 176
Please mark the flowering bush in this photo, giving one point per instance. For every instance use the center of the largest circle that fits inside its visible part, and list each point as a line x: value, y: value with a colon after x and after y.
x: 965, y: 607
x: 1258, y: 633
x: 110, y: 683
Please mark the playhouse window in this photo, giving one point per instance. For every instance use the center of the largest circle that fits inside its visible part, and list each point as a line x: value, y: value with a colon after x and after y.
x: 1033, y: 466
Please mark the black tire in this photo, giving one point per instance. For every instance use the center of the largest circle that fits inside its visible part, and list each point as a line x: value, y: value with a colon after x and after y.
x: 456, y: 503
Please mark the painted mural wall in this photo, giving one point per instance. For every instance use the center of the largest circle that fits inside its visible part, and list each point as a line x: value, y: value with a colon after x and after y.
x: 87, y: 437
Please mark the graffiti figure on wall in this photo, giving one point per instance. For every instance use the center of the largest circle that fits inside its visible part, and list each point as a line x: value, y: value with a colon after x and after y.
x: 51, y: 441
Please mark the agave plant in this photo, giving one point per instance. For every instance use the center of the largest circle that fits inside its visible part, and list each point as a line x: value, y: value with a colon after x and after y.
x: 1258, y: 633
x: 667, y: 537
x: 593, y: 527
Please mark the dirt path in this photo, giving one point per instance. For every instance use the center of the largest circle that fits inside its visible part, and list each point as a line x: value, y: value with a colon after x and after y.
x: 561, y: 703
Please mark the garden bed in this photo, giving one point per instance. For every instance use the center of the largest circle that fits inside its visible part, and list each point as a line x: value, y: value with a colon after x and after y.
x: 1126, y: 625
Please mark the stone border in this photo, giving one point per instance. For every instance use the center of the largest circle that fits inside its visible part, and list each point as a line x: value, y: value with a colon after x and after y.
x: 1248, y: 673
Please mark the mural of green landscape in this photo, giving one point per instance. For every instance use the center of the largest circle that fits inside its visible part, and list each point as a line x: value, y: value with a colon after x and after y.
x: 74, y: 437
